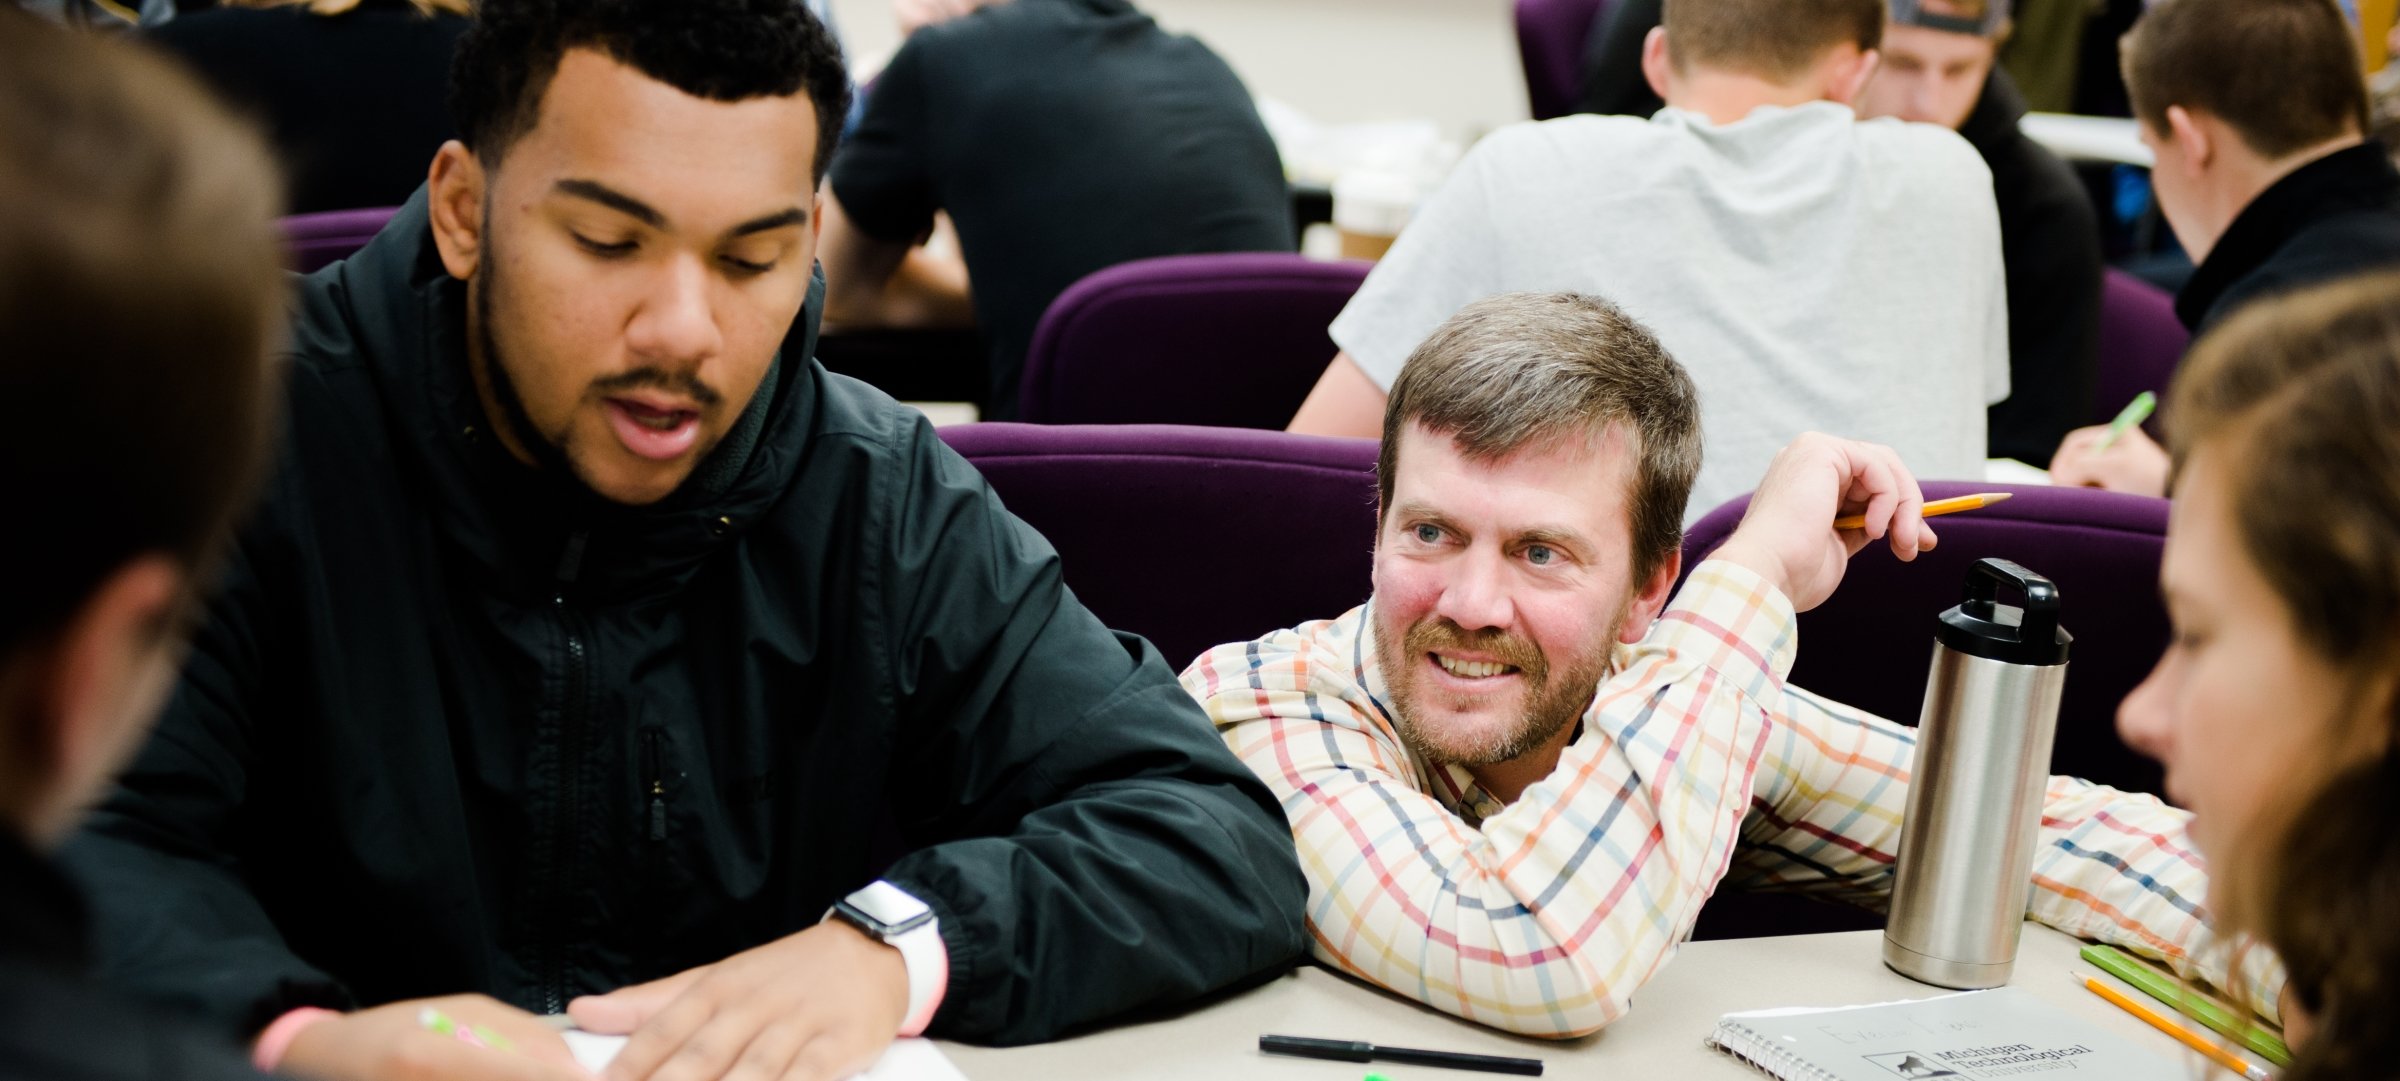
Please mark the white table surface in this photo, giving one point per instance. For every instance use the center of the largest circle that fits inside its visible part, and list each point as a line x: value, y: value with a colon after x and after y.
x: 2088, y: 138
x: 1660, y: 1038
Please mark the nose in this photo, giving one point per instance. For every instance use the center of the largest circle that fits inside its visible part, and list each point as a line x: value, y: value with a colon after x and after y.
x: 2145, y: 720
x: 676, y: 324
x: 1476, y: 597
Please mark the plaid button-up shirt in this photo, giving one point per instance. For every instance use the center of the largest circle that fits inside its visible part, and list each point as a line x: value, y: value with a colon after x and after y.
x: 1697, y: 764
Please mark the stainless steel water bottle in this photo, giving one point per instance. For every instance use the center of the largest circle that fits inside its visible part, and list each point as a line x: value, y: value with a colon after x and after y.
x: 1974, y: 813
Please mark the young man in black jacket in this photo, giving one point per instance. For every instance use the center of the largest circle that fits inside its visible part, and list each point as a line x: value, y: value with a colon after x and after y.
x: 2257, y: 112
x: 137, y: 251
x: 584, y: 641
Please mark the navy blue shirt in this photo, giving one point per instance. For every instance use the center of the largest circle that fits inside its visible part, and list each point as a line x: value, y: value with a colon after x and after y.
x: 1063, y: 137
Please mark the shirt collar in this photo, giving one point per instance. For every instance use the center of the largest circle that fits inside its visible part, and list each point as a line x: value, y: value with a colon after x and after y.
x: 1993, y: 121
x: 2345, y: 180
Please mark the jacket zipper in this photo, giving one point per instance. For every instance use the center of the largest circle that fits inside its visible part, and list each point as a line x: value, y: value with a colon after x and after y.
x: 573, y: 705
x: 654, y: 784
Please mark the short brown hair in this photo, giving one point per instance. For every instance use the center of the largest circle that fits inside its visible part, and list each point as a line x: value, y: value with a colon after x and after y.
x: 2283, y: 73
x: 2302, y: 395
x: 1773, y: 39
x: 1531, y: 369
x: 140, y: 286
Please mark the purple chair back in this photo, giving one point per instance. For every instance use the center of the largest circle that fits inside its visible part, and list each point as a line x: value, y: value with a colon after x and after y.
x: 1230, y: 340
x: 1870, y: 644
x: 1550, y: 38
x: 2141, y: 341
x: 1190, y: 537
x: 331, y: 235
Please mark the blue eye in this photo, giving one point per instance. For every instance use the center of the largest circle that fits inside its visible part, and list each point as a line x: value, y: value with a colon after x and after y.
x: 1427, y: 534
x: 1539, y: 555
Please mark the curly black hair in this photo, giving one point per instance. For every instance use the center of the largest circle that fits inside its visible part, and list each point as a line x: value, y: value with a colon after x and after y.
x: 723, y: 50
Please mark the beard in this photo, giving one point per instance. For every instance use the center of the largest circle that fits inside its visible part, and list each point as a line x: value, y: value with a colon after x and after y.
x: 1554, y: 697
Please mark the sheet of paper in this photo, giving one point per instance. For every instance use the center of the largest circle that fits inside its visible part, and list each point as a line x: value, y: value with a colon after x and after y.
x: 908, y: 1060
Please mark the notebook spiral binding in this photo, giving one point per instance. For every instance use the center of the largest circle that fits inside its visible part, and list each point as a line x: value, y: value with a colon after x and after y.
x: 1764, y: 1054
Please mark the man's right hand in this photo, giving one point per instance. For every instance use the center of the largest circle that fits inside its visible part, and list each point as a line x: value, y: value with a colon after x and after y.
x: 1787, y: 536
x: 391, y: 1043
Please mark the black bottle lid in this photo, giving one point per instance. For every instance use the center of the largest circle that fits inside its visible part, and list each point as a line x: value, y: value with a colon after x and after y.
x: 1983, y: 627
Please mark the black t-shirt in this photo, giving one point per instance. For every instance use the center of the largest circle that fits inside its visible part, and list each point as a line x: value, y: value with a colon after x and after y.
x: 1063, y: 137
x: 356, y: 102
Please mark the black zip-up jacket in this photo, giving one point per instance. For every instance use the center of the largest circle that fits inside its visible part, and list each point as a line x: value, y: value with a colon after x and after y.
x: 2335, y: 217
x: 2050, y: 250
x: 449, y: 727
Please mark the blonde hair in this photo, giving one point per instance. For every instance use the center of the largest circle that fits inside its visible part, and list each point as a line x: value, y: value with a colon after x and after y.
x: 427, y: 8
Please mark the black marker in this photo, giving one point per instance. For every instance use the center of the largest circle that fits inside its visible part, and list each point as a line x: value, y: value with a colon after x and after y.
x: 1359, y: 1051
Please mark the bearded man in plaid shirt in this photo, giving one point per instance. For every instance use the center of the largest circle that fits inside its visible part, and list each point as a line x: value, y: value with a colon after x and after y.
x: 1516, y: 773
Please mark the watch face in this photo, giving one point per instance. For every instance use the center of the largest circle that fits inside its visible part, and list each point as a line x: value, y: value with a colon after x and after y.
x: 879, y: 926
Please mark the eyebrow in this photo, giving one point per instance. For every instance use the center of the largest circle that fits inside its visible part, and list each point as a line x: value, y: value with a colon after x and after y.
x: 597, y: 192
x: 1554, y: 536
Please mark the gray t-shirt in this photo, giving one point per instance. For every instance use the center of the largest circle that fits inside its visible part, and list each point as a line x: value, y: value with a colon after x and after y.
x: 1811, y: 271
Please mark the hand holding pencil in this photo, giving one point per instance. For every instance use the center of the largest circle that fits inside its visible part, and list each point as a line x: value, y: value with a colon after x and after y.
x: 2118, y: 456
x: 1811, y: 483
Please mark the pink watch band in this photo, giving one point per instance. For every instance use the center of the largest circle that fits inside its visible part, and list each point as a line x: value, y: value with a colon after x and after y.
x: 267, y: 1052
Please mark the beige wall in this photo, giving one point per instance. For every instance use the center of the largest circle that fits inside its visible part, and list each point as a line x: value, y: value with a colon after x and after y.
x: 1451, y: 61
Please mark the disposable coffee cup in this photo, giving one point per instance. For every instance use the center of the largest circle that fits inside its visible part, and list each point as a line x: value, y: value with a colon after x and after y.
x: 1369, y: 210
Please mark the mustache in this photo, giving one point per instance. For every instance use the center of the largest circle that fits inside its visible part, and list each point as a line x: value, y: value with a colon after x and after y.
x: 1438, y: 635
x: 686, y: 384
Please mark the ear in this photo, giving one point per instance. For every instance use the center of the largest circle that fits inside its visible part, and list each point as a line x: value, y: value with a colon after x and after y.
x: 1657, y: 67
x: 96, y: 687
x: 454, y: 189
x: 2191, y: 137
x: 1846, y: 74
x: 816, y: 217
x: 1642, y: 609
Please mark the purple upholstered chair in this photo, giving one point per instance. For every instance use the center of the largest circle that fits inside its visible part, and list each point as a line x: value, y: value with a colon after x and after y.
x: 1871, y: 643
x: 1230, y: 340
x: 1550, y: 37
x: 2141, y: 341
x: 331, y: 235
x: 1190, y: 537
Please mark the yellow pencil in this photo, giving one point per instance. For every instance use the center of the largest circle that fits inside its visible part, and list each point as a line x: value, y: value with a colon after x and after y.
x: 1935, y: 509
x: 2190, y: 1039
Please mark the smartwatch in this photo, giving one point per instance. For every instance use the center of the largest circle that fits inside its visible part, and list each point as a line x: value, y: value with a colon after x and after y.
x: 890, y: 915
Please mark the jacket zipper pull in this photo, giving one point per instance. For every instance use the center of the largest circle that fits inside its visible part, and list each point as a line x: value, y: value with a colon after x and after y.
x: 570, y: 560
x: 658, y: 786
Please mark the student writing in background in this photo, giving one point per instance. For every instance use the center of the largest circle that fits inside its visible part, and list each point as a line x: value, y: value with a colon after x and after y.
x: 2258, y: 116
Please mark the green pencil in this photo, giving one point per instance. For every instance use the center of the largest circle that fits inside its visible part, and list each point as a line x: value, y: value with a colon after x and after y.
x: 2189, y: 1003
x: 2135, y: 412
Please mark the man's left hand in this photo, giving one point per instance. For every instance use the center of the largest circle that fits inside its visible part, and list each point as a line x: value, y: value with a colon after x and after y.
x: 819, y: 1005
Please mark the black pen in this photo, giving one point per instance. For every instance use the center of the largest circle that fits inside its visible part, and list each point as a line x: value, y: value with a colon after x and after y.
x: 1360, y: 1051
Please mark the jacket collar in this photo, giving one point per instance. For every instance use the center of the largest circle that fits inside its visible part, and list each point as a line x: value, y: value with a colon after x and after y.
x: 41, y: 915
x: 2349, y: 179
x: 396, y: 307
x: 1993, y: 122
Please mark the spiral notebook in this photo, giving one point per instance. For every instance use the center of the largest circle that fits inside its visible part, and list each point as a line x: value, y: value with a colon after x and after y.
x: 1976, y: 1036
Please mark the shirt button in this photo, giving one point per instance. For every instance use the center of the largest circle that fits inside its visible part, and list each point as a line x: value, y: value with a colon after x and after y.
x: 718, y: 527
